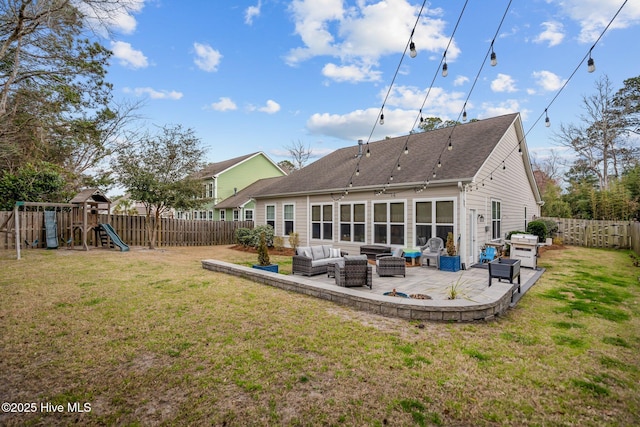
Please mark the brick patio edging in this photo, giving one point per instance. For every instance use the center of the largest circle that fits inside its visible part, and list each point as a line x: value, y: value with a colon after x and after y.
x: 494, y: 301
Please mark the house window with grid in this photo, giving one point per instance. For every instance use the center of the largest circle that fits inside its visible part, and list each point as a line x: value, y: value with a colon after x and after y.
x: 223, y: 215
x: 322, y: 222
x: 210, y: 215
x: 434, y: 218
x: 288, y: 219
x: 236, y: 215
x: 389, y: 223
x: 271, y: 216
x: 210, y: 192
x: 352, y: 222
x: 248, y: 215
x: 496, y: 219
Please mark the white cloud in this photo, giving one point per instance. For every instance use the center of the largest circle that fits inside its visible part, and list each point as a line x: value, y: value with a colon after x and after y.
x: 503, y: 83
x: 154, y: 94
x: 128, y: 56
x: 440, y: 103
x: 594, y: 15
x: 224, y: 104
x: 361, y: 34
x: 553, y: 33
x: 350, y: 73
x: 357, y: 124
x: 111, y: 16
x: 271, y: 107
x: 547, y: 80
x: 509, y: 106
x: 252, y: 12
x: 460, y: 80
x: 207, y: 58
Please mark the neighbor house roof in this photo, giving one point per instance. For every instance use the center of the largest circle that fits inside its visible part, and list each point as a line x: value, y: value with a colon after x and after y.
x: 472, y: 144
x: 246, y: 194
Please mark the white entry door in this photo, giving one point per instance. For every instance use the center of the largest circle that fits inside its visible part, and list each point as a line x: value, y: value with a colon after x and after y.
x: 473, y: 238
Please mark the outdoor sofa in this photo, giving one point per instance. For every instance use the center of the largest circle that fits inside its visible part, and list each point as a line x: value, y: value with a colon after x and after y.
x: 312, y: 260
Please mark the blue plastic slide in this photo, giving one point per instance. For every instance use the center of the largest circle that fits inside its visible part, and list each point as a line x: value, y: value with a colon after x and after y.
x: 115, y: 239
x: 51, y: 229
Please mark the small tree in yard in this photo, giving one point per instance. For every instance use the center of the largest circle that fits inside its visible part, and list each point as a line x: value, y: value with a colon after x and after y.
x: 263, y: 252
x: 157, y: 171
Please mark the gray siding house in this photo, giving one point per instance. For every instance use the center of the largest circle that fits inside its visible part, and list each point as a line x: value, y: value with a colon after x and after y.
x: 411, y: 188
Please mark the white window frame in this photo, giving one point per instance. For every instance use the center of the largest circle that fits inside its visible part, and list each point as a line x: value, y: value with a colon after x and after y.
x: 249, y: 213
x: 223, y: 215
x: 494, y: 220
x: 352, y: 222
x: 434, y: 224
x: 388, y: 223
x: 323, y: 221
x: 271, y: 221
x: 285, y: 219
x: 236, y: 215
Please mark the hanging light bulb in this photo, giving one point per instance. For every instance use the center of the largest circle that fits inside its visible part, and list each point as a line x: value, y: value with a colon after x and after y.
x: 412, y: 49
x: 406, y: 150
x: 350, y: 184
x: 591, y: 65
x: 398, y: 167
x: 358, y: 171
x: 520, y: 149
x: 494, y: 57
x: 382, y: 118
x: 368, y: 153
x: 503, y: 165
x: 439, y: 164
x: 390, y: 179
x: 434, y: 174
x: 445, y: 68
x: 464, y: 115
x: 450, y: 146
x: 547, y: 122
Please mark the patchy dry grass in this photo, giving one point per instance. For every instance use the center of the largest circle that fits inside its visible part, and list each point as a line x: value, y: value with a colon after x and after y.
x: 149, y: 337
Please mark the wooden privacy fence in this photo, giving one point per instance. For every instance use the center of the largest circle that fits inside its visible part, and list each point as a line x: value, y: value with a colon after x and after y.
x: 131, y: 229
x: 598, y: 234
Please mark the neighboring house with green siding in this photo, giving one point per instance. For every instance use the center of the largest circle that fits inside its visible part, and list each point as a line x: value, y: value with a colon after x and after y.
x: 225, y: 179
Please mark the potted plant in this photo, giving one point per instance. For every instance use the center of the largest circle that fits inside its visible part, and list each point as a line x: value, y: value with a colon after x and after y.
x: 264, y: 263
x: 451, y: 261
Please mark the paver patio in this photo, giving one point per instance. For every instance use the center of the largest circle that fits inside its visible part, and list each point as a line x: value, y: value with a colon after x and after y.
x: 476, y: 299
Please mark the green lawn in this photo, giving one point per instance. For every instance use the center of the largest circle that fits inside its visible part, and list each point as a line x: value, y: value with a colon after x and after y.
x: 149, y: 337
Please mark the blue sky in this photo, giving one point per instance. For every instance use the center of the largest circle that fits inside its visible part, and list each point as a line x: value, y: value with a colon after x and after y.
x: 259, y: 75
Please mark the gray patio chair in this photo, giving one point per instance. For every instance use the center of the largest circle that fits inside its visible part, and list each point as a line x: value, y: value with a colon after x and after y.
x: 355, y: 271
x: 433, y: 250
x: 391, y: 264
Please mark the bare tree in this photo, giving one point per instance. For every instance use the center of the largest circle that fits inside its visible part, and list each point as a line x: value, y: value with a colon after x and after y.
x: 300, y: 154
x: 597, y: 139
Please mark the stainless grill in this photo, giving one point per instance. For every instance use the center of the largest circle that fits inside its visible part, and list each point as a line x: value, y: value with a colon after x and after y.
x: 525, y: 248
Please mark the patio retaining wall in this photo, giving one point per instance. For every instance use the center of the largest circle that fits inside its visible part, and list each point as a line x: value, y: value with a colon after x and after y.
x: 494, y: 301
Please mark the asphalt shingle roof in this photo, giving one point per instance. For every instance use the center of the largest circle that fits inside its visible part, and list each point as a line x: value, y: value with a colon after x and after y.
x: 247, y: 193
x: 472, y: 144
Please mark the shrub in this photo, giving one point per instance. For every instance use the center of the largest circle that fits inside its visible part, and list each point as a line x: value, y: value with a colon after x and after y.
x: 552, y: 226
x: 538, y: 228
x: 244, y: 236
x: 268, y: 235
x: 294, y: 240
x: 278, y: 243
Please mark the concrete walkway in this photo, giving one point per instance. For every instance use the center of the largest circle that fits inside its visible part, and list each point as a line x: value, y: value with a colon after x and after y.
x: 475, y: 301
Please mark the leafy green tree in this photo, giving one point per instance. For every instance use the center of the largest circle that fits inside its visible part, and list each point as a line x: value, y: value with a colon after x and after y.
x: 55, y: 105
x: 41, y: 182
x: 158, y: 170
x: 554, y: 205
